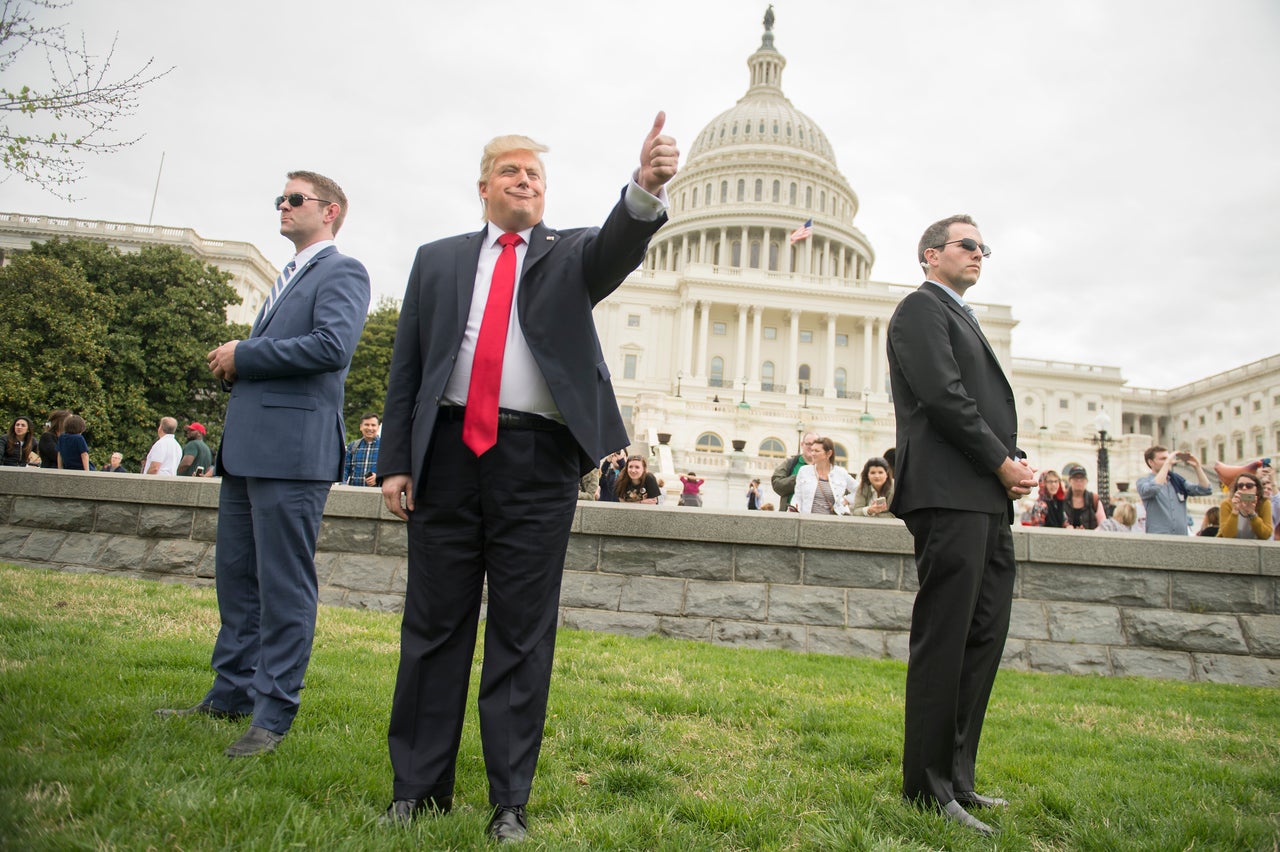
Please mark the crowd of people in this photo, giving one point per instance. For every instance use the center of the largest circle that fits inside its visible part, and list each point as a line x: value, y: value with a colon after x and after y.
x: 63, y: 446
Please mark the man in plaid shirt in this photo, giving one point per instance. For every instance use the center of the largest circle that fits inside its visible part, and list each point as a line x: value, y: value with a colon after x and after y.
x: 362, y: 454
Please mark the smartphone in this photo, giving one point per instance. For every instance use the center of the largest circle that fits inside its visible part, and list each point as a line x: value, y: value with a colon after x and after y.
x: 200, y: 471
x: 879, y: 501
x: 1247, y: 498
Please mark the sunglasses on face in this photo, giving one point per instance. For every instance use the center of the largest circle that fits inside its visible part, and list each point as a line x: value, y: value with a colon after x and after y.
x: 297, y: 199
x: 968, y: 245
x: 1240, y: 485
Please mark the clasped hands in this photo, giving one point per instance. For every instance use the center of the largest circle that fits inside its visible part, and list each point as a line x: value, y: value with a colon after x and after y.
x: 1017, y: 477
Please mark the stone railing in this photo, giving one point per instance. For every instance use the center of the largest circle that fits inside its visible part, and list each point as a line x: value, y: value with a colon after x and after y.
x: 1088, y: 603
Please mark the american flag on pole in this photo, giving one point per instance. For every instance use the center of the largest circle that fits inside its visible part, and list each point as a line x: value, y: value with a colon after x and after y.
x: 803, y: 232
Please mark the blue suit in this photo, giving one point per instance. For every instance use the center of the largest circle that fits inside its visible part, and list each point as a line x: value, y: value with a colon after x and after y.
x: 282, y: 447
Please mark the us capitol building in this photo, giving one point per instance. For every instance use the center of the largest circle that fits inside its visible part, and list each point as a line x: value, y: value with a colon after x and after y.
x: 731, y: 340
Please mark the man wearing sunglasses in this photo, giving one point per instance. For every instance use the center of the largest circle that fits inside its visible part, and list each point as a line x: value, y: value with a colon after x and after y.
x: 282, y: 447
x: 485, y: 439
x: 958, y: 471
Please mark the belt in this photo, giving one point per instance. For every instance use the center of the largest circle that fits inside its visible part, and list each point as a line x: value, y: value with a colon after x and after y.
x: 507, y: 419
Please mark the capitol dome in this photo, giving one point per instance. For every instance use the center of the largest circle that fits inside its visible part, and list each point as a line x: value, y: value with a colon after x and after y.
x: 756, y: 178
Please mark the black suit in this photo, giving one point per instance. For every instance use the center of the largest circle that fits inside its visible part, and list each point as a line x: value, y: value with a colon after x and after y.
x: 504, y: 516
x: 956, y: 425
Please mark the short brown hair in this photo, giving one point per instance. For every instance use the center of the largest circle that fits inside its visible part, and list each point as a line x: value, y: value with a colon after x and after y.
x: 74, y: 425
x: 936, y: 234
x: 328, y: 190
x: 1151, y: 452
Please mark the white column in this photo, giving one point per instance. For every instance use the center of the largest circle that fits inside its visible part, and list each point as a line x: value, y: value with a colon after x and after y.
x: 726, y: 252
x: 704, y: 327
x: 866, y: 352
x: 753, y: 373
x: 702, y: 246
x: 684, y: 252
x: 784, y: 262
x: 829, y: 379
x: 686, y: 338
x: 740, y: 365
x: 793, y: 351
x: 882, y: 356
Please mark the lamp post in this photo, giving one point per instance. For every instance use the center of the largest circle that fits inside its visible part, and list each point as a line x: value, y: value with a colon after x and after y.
x: 1103, y: 423
x: 744, y: 391
x: 804, y: 389
x: 679, y: 378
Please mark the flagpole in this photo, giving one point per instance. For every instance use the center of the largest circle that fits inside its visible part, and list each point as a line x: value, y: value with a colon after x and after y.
x: 157, y: 190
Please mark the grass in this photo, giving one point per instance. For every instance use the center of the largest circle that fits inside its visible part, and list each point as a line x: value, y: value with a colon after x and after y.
x: 651, y: 744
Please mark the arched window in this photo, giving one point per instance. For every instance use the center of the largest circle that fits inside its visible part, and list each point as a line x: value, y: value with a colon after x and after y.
x: 808, y: 198
x: 759, y: 190
x: 737, y: 253
x: 842, y: 381
x: 684, y: 196
x: 792, y: 195
x: 842, y: 454
x: 802, y: 376
x: 755, y: 254
x: 707, y: 194
x: 709, y: 442
x: 724, y: 191
x: 777, y: 191
x: 742, y: 190
x: 766, y: 376
x: 822, y: 201
x: 695, y: 196
x: 773, y: 257
x: 772, y: 448
x: 715, y: 378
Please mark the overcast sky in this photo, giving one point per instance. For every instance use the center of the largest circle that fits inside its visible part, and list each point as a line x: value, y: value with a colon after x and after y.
x: 1122, y: 157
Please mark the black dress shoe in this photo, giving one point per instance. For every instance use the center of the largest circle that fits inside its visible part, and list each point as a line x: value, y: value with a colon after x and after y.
x: 508, y: 824
x: 254, y: 742
x: 404, y: 811
x: 953, y: 811
x: 971, y: 799
x: 204, y: 708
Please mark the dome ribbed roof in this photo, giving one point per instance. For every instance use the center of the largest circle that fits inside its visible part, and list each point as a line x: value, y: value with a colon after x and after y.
x: 764, y: 115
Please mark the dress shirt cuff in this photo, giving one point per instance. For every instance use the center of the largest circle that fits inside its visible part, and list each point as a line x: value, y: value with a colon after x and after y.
x: 642, y: 205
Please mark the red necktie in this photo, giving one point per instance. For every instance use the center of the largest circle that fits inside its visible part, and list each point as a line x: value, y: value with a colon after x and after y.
x: 480, y: 424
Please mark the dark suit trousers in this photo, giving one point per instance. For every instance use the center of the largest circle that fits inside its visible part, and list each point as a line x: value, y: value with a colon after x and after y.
x: 965, y: 565
x: 506, y: 517
x: 265, y: 573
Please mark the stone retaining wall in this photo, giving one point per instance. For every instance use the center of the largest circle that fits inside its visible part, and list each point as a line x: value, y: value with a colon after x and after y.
x: 1085, y: 603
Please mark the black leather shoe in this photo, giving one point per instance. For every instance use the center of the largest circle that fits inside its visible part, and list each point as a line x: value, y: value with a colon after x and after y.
x: 955, y: 813
x: 508, y: 824
x: 254, y: 742
x: 204, y: 708
x: 971, y: 799
x: 405, y: 811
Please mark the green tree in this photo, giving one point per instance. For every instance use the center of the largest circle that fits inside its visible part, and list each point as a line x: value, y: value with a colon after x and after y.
x: 52, y: 343
x: 46, y: 127
x: 366, y: 388
x: 154, y: 314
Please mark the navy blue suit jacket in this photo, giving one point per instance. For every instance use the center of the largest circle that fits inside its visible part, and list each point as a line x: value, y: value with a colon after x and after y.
x: 955, y: 411
x: 284, y: 416
x: 565, y: 274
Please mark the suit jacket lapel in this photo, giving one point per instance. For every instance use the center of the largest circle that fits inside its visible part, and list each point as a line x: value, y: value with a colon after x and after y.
x: 969, y: 320
x: 466, y: 260
x: 262, y: 323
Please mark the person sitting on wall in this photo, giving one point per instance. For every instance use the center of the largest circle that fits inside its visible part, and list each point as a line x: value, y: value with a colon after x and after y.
x: 1081, y: 509
x: 1247, y: 512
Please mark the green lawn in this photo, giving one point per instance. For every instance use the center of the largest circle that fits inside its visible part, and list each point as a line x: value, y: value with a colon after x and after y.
x: 651, y: 744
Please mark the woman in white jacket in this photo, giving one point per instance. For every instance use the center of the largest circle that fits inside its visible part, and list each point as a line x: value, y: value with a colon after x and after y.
x: 822, y: 488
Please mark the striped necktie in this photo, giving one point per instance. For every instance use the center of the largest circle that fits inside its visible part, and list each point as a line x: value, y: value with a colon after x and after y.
x: 282, y: 281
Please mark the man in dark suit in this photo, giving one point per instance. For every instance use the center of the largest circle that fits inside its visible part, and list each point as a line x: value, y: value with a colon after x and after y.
x: 281, y: 449
x: 484, y: 441
x: 957, y: 472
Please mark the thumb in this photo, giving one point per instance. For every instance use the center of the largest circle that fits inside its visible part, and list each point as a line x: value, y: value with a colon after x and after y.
x: 659, y: 120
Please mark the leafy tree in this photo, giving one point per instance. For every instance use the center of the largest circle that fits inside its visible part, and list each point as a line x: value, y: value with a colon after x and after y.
x: 153, y: 315
x: 366, y: 388
x: 73, y: 112
x: 52, y: 343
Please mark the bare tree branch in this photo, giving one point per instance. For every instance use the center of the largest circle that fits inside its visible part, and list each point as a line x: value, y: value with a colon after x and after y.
x: 46, y: 128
